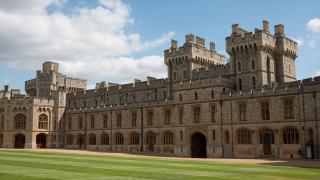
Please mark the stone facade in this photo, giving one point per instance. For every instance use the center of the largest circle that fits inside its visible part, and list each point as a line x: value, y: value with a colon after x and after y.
x: 250, y: 107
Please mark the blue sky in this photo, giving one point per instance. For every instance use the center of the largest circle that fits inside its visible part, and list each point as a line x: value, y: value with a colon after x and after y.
x: 153, y: 22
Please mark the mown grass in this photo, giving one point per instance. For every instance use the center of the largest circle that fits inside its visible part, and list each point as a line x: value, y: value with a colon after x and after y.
x: 31, y: 165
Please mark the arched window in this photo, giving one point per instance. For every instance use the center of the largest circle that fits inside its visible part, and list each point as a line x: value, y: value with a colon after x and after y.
x: 119, y: 139
x: 290, y: 135
x: 168, y: 138
x: 244, y: 136
x: 266, y: 136
x: 134, y: 138
x: 104, y: 139
x: 69, y: 139
x: 92, y: 139
x: 43, y: 121
x: 20, y: 121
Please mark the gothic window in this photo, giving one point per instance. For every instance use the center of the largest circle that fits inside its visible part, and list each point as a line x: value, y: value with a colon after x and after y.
x: 69, y: 139
x: 168, y: 138
x: 266, y: 136
x: 181, y: 115
x: 134, y: 119
x: 104, y: 139
x: 20, y: 121
x: 150, y: 118
x: 80, y: 122
x: 43, y: 122
x: 92, y: 139
x: 134, y: 139
x: 242, y: 111
x: 118, y: 120
x: 244, y: 136
x: 265, y: 111
x: 167, y: 117
x: 288, y: 108
x: 119, y: 139
x: 105, y: 121
x: 253, y: 79
x: 92, y: 121
x: 290, y: 135
x: 196, y: 114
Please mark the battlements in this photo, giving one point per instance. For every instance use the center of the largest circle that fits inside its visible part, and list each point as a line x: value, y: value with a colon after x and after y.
x: 211, y: 71
x: 193, y: 49
x: 308, y: 85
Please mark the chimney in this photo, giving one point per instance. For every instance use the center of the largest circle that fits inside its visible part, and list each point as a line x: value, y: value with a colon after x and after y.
x: 6, y: 88
x: 235, y: 28
x: 189, y: 38
x: 279, y: 29
x: 174, y: 44
x: 212, y: 46
x: 265, y: 25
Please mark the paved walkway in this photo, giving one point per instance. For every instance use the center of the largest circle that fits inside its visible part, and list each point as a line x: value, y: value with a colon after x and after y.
x: 275, y: 162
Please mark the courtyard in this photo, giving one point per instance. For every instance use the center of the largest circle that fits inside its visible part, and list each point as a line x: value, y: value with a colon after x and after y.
x: 76, y: 164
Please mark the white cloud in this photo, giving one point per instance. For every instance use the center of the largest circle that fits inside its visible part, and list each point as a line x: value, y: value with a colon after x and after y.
x: 317, y: 73
x: 117, y: 70
x: 89, y: 42
x: 314, y: 25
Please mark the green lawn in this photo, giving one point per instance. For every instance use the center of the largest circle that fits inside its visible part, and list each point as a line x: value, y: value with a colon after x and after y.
x: 32, y: 165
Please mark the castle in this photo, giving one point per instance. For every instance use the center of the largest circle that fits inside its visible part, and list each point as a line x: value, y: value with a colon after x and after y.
x: 250, y: 107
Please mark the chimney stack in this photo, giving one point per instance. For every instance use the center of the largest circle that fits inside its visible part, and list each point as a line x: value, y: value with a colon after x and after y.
x: 265, y: 25
x: 6, y: 88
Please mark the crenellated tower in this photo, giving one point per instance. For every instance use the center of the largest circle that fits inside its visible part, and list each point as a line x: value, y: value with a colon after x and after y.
x: 261, y: 58
x: 181, y: 61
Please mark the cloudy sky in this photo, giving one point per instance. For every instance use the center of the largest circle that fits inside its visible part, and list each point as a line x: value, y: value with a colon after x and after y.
x: 118, y: 41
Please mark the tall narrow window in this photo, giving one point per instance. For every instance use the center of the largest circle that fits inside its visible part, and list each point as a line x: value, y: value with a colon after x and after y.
x: 20, y: 121
x: 118, y: 120
x: 181, y: 115
x: 253, y: 82
x: 134, y: 119
x: 239, y: 84
x: 174, y: 76
x: 92, y: 121
x: 242, y: 111
x: 196, y: 114
x: 265, y: 111
x: 2, y: 121
x: 150, y: 118
x: 80, y: 122
x: 244, y: 136
x: 288, y: 109
x: 212, y: 94
x: 70, y: 123
x: 252, y: 64
x: 181, y: 135
x: 184, y: 74
x: 119, y: 139
x: 167, y: 117
x: 168, y: 138
x: 105, y: 121
x: 196, y: 96
x: 92, y: 139
x: 213, y: 113
x: 104, y: 139
x: 134, y: 139
x: 180, y: 97
x: 213, y: 135
x: 239, y: 66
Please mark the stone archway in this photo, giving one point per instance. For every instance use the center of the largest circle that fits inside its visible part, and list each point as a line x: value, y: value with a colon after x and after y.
x: 198, y: 145
x: 19, y: 141
x: 41, y: 141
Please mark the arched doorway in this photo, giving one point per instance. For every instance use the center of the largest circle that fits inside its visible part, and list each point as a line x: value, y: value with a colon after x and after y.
x: 266, y: 139
x: 19, y: 141
x: 81, y: 140
x: 198, y: 145
x: 41, y: 140
x: 150, y: 140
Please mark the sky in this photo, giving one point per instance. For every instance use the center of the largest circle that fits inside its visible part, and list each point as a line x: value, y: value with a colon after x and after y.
x: 121, y: 40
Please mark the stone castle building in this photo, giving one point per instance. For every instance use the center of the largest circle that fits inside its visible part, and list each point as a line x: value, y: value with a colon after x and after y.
x: 251, y: 106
